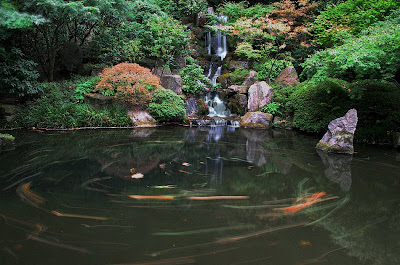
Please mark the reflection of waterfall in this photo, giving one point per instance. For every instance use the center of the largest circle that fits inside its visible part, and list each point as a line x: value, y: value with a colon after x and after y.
x: 216, y: 45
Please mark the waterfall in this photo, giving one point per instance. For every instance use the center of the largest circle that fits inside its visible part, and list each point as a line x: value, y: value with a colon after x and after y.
x: 218, y: 45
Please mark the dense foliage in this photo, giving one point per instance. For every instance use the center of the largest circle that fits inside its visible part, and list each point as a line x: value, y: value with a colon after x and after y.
x: 129, y: 82
x: 194, y: 81
x: 167, y: 106
x: 373, y: 55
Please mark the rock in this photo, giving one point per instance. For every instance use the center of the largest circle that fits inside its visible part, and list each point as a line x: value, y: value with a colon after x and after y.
x: 191, y: 106
x: 98, y: 99
x: 338, y: 168
x: 8, y: 112
x: 161, y: 71
x: 142, y: 118
x: 238, y: 104
x: 237, y: 89
x: 172, y: 82
x: 340, y: 134
x: 251, y: 79
x: 257, y: 119
x: 260, y: 94
x: 201, y: 19
x: 237, y: 64
x: 6, y: 138
x: 288, y: 77
x: 224, y: 80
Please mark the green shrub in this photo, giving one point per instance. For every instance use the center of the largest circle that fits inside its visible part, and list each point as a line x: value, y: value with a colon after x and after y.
x: 273, y: 108
x: 315, y: 105
x: 194, y: 80
x: 270, y: 68
x: 373, y: 55
x: 242, y: 9
x: 238, y: 76
x: 167, y: 106
x: 377, y: 104
x: 350, y: 17
x: 85, y: 88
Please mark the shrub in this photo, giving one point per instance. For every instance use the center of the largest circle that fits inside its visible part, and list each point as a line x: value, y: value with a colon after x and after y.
x: 167, y: 106
x: 337, y: 22
x: 314, y: 106
x: 273, y: 108
x: 85, y: 88
x: 194, y: 81
x: 373, y: 55
x: 377, y: 104
x: 270, y: 68
x: 238, y: 76
x: 55, y: 110
x: 129, y: 82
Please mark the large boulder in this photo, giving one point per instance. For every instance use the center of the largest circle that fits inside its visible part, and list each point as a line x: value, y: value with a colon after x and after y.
x: 224, y: 80
x: 191, y: 106
x: 251, y: 79
x: 161, y: 71
x: 172, y: 82
x: 340, y: 134
x: 258, y: 119
x: 142, y: 118
x: 260, y: 94
x: 288, y: 77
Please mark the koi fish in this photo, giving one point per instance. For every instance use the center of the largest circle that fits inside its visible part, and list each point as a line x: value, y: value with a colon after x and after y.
x: 151, y: 197
x: 201, y: 198
x: 314, y: 198
x: 79, y: 216
x: 26, y: 190
x: 165, y: 187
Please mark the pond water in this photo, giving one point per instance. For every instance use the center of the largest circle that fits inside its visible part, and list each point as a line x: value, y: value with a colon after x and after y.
x: 177, y: 195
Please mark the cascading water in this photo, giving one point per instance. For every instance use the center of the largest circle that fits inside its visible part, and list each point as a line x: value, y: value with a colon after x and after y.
x: 216, y: 45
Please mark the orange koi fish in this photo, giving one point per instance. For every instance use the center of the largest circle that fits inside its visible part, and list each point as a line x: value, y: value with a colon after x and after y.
x: 154, y: 197
x: 314, y: 198
x: 26, y: 190
x: 79, y: 216
x: 217, y: 198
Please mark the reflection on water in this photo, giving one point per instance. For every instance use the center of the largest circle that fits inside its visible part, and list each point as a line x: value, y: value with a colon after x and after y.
x: 206, y: 195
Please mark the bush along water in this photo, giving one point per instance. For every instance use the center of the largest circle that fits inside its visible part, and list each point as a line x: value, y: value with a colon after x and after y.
x: 167, y: 106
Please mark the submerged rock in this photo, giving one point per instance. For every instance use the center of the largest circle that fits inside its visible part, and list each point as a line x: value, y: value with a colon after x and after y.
x: 340, y: 134
x: 338, y: 168
x: 288, y: 77
x: 256, y: 119
x: 142, y: 118
x: 260, y: 94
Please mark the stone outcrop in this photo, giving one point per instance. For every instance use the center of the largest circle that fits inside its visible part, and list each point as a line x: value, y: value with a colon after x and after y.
x: 161, y: 71
x: 251, y: 79
x: 288, y: 77
x: 172, y: 82
x: 256, y: 119
x: 142, y: 118
x: 236, y: 89
x: 224, y: 80
x: 340, y: 134
x: 260, y: 94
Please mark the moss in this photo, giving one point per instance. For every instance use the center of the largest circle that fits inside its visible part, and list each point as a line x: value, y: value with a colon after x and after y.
x: 7, y: 137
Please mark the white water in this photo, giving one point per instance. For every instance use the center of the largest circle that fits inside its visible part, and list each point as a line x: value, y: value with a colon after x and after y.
x: 218, y: 44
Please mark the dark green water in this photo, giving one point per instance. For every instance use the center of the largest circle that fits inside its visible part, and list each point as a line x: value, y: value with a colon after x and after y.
x: 65, y: 199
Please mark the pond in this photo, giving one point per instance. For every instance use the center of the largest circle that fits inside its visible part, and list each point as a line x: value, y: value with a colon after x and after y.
x: 179, y: 195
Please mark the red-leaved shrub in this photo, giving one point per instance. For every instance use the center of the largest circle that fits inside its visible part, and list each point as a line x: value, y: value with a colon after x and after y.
x: 129, y: 82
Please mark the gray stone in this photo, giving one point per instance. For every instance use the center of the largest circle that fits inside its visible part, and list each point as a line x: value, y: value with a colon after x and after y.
x: 256, y: 119
x: 260, y: 94
x: 141, y: 118
x: 161, y: 71
x: 288, y: 77
x: 237, y: 65
x: 251, y: 79
x: 98, y: 99
x: 224, y: 80
x: 237, y: 89
x: 191, y: 106
x: 172, y: 82
x: 340, y: 134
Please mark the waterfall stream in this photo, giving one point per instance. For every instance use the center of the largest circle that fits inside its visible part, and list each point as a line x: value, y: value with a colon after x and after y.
x: 216, y: 44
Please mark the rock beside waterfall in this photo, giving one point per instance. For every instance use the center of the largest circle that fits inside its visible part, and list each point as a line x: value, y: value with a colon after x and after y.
x: 260, y: 94
x: 224, y: 80
x: 256, y: 119
x: 191, y: 106
x: 142, y: 118
x: 340, y: 134
x: 172, y: 82
x: 288, y: 77
x: 236, y: 89
x: 251, y: 79
x: 161, y: 71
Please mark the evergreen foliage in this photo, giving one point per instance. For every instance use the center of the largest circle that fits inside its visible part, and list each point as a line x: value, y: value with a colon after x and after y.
x: 167, y: 106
